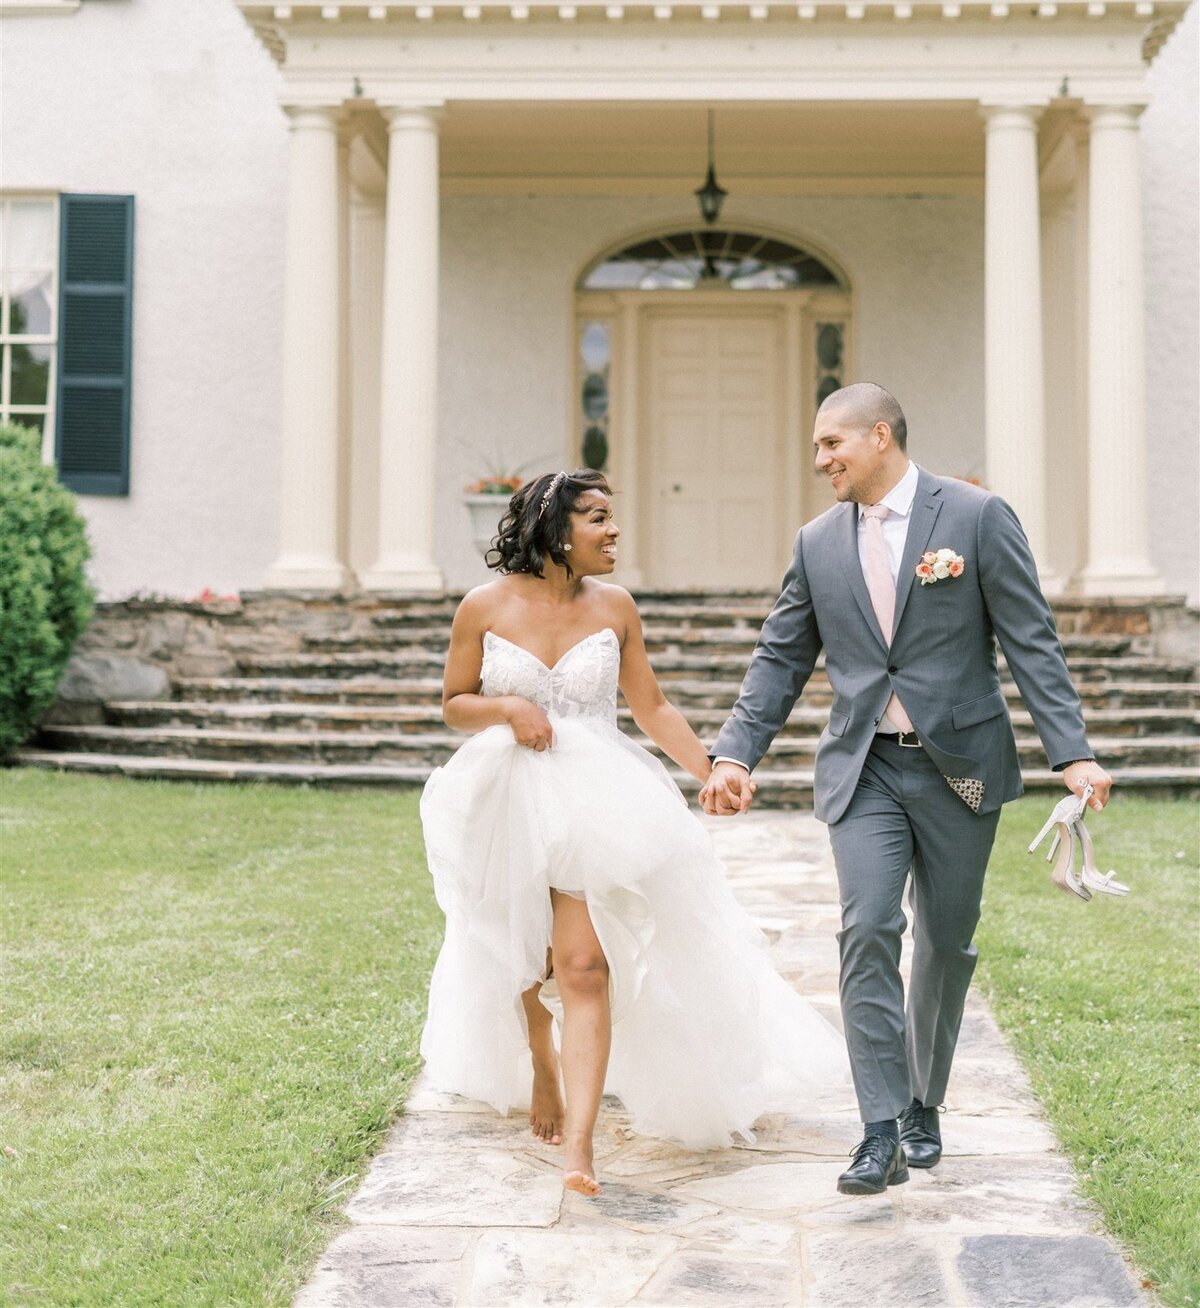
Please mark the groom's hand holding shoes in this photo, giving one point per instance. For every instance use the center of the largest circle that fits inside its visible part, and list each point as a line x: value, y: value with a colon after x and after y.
x: 1088, y: 770
x: 728, y: 790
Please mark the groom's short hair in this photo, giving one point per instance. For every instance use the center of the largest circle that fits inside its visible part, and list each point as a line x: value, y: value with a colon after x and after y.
x: 865, y: 404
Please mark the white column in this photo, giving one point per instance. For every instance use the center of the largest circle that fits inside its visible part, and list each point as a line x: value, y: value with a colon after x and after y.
x: 1014, y: 407
x: 408, y: 363
x: 1118, y: 555
x: 366, y: 262
x: 1064, y: 332
x: 308, y: 558
x: 1079, y: 335
x: 346, y: 395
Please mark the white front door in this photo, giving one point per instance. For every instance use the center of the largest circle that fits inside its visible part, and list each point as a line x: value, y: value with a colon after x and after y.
x: 710, y: 432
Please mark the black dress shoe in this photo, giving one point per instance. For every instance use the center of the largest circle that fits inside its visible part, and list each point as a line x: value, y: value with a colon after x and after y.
x: 921, y: 1135
x: 878, y: 1163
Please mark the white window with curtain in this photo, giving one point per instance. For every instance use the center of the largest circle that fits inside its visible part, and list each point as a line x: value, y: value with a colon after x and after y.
x: 28, y: 311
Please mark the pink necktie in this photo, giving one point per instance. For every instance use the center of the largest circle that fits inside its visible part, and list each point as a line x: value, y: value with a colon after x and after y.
x: 882, y: 588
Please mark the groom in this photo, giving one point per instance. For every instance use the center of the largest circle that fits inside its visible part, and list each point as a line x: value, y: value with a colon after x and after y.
x: 919, y: 753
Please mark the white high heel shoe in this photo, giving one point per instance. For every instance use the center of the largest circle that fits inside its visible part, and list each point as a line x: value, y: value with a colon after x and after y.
x: 1062, y: 821
x: 1065, y: 812
x: 1093, y: 879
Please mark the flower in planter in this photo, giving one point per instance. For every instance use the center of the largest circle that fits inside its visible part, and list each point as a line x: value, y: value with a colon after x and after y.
x: 502, y: 479
x: 497, y: 485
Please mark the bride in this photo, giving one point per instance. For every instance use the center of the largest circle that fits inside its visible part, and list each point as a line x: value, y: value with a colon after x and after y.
x: 576, y: 884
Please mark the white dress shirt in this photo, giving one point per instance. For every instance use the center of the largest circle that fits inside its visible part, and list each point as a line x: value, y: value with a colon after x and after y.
x: 895, y: 532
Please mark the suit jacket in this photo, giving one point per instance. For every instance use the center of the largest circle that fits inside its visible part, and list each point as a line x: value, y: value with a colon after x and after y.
x: 942, y: 660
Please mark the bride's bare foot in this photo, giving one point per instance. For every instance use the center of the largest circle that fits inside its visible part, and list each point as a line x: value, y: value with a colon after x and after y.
x: 546, y: 1106
x: 578, y: 1167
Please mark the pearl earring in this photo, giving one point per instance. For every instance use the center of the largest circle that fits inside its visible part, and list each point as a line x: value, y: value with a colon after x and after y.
x: 567, y: 547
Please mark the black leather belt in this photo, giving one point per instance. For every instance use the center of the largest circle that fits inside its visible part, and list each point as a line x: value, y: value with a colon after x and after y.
x: 905, y: 739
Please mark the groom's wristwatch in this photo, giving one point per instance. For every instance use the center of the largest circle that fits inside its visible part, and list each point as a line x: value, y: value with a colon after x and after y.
x: 1071, y: 762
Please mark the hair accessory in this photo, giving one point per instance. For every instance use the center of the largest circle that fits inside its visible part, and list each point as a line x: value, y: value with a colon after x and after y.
x: 549, y: 495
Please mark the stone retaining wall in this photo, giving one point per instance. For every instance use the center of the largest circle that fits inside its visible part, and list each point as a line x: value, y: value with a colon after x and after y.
x: 136, y: 648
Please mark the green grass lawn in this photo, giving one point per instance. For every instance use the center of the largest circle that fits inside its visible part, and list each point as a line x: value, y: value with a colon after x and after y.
x: 212, y: 998
x: 1102, y: 1001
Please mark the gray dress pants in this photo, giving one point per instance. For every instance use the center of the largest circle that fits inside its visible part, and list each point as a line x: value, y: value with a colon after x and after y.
x: 905, y: 818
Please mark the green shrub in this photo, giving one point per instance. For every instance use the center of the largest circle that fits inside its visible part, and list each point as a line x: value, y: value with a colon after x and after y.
x: 45, y: 598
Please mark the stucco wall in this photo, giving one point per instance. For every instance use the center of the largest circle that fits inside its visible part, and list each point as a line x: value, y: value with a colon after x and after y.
x: 509, y: 265
x: 176, y: 104
x: 1171, y: 206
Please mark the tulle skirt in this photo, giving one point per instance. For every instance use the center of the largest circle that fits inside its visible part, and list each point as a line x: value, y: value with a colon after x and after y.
x: 706, y: 1035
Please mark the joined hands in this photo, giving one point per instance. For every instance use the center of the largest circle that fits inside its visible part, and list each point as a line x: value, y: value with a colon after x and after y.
x: 728, y: 790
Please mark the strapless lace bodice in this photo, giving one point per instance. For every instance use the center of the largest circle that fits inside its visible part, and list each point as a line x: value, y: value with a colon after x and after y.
x: 582, y: 684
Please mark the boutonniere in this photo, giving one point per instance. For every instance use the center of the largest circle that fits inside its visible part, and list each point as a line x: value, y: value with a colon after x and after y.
x: 936, y: 564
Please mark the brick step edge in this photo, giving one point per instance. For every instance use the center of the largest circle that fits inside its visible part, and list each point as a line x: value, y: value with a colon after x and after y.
x: 792, y: 789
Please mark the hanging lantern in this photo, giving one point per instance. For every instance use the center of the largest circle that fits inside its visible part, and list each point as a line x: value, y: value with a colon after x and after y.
x: 710, y: 196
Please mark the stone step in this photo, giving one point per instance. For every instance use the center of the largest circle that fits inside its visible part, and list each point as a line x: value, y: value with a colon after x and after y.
x: 347, y: 690
x: 257, y: 746
x: 311, y: 690
x: 399, y: 663
x: 218, y: 744
x: 203, y: 769
x: 789, y: 750
x: 426, y: 717
x: 424, y: 663
x: 686, y: 613
x: 259, y: 603
x: 684, y: 691
x: 414, y: 636
x: 269, y: 716
x: 660, y: 637
x: 696, y: 605
x: 791, y: 789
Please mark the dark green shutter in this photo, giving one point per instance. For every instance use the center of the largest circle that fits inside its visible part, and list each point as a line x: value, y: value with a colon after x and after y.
x: 95, y: 319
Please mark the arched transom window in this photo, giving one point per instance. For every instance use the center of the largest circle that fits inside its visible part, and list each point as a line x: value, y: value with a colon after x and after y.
x: 682, y: 261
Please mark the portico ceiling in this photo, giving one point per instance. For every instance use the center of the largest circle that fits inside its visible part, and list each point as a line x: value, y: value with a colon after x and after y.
x: 652, y: 148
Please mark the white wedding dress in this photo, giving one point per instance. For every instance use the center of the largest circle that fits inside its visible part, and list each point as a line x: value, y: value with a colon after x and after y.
x: 706, y: 1035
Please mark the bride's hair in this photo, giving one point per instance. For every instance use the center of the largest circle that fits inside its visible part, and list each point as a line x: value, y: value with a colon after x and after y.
x: 536, y: 521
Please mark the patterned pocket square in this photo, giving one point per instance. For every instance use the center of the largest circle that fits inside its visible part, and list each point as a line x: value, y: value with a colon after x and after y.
x: 968, y: 789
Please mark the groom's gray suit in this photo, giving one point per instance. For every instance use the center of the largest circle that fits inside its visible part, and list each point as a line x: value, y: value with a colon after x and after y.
x: 892, y: 808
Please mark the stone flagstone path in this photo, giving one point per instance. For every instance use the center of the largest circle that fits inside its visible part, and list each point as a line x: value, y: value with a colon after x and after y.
x: 462, y: 1209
